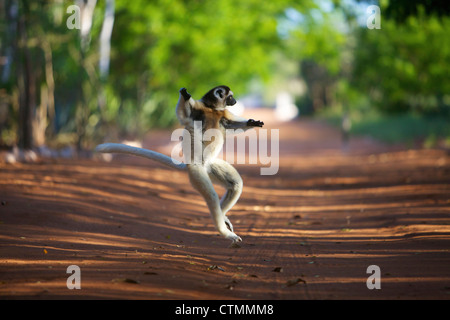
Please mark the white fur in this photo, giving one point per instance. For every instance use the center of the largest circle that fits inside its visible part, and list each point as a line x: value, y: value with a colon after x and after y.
x: 201, y: 174
x: 149, y: 154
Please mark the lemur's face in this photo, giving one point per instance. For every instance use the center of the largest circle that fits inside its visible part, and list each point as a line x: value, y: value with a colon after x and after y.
x: 224, y: 95
x: 229, y: 101
x: 219, y: 98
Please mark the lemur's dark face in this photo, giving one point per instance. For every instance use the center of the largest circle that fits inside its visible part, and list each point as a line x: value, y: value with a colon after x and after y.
x: 219, y: 97
x: 230, y: 101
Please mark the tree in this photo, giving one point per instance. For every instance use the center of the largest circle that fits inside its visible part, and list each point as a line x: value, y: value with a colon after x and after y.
x: 26, y: 77
x: 405, y: 67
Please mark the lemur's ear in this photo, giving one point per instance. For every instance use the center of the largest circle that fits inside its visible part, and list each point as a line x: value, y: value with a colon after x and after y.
x: 218, y: 93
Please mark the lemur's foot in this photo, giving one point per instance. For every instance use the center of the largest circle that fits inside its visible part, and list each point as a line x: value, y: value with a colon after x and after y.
x: 234, y: 238
x: 235, y: 244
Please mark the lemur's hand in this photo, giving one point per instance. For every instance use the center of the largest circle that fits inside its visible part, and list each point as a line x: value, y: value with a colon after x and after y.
x: 185, y: 94
x: 255, y: 123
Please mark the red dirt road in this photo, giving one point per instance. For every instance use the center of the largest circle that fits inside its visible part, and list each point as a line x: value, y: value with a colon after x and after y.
x: 139, y: 231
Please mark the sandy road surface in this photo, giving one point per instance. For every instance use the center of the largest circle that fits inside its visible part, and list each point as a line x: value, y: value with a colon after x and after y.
x: 139, y: 231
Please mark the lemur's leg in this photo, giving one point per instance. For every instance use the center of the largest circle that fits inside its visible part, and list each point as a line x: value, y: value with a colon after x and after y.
x: 226, y: 175
x: 202, y: 183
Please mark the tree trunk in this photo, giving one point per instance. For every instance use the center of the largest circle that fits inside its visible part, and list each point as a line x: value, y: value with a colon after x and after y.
x: 11, y: 10
x: 105, y: 39
x: 27, y: 83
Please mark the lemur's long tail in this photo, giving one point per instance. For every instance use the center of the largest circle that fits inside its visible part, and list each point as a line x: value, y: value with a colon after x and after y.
x: 149, y: 154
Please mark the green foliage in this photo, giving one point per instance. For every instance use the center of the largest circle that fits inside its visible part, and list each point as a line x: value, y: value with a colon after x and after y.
x: 405, y: 67
x: 406, y: 128
x: 403, y: 128
x: 166, y: 45
x: 392, y: 81
x: 159, y: 46
x: 400, y: 10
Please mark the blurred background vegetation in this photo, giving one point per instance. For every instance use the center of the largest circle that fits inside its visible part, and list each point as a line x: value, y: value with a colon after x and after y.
x: 119, y: 74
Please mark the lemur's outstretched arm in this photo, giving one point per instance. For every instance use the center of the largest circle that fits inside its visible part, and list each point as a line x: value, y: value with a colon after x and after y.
x: 184, y: 107
x: 231, y: 121
x: 185, y: 94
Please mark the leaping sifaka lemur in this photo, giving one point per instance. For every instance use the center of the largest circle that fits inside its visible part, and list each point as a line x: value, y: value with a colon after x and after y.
x: 211, y: 113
